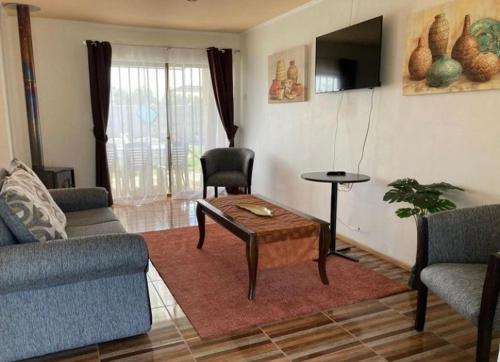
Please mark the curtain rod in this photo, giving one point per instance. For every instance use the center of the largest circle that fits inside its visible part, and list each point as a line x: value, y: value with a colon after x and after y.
x: 161, y: 46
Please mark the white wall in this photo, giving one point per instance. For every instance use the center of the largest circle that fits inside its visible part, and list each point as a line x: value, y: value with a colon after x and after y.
x: 449, y: 137
x: 63, y: 85
x: 5, y: 136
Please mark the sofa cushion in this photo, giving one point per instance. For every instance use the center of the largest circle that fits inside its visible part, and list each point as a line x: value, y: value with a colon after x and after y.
x: 227, y: 178
x: 6, y: 237
x: 111, y: 227
x: 459, y: 285
x: 27, y: 211
x: 3, y: 174
x: 90, y: 217
x: 15, y: 164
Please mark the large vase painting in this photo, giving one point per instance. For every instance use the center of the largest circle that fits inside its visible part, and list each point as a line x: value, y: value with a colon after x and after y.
x: 453, y: 47
x: 288, y: 76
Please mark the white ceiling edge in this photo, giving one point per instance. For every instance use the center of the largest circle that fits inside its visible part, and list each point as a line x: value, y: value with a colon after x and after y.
x: 282, y: 16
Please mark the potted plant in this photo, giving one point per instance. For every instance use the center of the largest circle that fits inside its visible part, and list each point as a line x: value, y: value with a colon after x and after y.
x: 423, y: 200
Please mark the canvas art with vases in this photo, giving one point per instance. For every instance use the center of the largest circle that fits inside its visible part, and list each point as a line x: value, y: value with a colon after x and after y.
x: 453, y: 47
x: 288, y: 76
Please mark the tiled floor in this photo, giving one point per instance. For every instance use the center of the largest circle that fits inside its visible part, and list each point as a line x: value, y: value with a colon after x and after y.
x: 377, y: 330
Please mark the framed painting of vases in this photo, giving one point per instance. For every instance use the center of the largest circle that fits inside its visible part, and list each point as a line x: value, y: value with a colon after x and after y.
x: 453, y: 47
x: 287, y: 76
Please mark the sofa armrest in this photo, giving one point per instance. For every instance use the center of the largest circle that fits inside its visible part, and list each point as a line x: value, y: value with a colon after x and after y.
x: 80, y: 198
x: 467, y: 235
x: 41, y: 265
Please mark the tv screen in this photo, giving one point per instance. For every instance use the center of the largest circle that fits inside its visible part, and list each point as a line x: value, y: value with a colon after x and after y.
x: 349, y: 58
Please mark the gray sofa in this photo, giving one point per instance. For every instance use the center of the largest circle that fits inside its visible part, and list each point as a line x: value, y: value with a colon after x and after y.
x: 70, y: 293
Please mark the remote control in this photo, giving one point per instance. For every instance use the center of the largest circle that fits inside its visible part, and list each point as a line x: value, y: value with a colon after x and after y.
x: 336, y: 173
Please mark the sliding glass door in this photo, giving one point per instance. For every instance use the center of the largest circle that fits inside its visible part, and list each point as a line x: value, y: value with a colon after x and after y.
x: 162, y: 118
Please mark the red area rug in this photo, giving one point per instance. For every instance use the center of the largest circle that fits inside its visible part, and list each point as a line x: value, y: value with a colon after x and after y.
x: 211, y: 284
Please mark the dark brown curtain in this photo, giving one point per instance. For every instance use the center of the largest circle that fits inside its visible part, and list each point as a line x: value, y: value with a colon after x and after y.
x: 99, y: 54
x: 221, y: 72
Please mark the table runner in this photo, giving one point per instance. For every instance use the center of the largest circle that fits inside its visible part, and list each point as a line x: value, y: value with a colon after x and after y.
x: 284, y: 239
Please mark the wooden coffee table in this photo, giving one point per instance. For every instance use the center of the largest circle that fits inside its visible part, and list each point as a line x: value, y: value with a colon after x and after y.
x: 251, y: 237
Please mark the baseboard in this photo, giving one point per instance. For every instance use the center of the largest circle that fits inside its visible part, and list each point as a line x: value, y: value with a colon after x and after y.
x: 361, y: 246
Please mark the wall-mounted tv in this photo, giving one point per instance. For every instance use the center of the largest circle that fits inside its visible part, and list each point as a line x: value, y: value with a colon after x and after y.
x: 349, y: 58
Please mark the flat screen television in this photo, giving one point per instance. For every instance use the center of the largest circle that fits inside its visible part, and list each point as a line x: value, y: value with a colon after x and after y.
x: 349, y: 58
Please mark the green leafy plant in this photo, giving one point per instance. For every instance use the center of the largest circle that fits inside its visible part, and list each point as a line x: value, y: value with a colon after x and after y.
x: 424, y: 199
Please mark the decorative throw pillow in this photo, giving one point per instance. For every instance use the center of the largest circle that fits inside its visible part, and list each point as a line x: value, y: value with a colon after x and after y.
x: 16, y: 164
x: 26, y: 209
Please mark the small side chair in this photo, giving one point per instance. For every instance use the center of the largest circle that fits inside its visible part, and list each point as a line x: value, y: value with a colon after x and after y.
x: 227, y: 167
x: 458, y: 260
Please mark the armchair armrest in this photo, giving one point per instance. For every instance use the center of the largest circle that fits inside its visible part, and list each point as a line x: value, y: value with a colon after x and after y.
x: 467, y: 235
x: 80, y: 198
x: 248, y: 166
x: 41, y: 265
x: 208, y: 166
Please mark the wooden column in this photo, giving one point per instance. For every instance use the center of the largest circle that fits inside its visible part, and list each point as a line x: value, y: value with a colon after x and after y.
x: 31, y: 96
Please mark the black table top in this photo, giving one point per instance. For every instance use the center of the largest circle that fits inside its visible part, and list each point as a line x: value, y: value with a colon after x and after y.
x: 349, y: 178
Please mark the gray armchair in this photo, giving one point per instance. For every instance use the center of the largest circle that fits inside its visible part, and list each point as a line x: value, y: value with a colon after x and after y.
x: 458, y: 260
x: 227, y: 167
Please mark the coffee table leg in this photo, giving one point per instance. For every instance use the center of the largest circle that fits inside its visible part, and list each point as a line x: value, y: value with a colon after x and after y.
x: 200, y: 215
x: 253, y: 261
x: 324, y: 246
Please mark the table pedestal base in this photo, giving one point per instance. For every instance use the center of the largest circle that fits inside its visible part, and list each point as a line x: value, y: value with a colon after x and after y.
x: 339, y: 252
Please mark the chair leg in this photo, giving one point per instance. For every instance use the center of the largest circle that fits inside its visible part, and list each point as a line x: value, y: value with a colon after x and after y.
x: 204, y: 192
x: 249, y: 190
x: 484, y: 332
x: 216, y: 191
x: 422, y: 292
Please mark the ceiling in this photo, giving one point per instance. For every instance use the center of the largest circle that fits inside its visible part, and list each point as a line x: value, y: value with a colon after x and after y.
x: 201, y: 15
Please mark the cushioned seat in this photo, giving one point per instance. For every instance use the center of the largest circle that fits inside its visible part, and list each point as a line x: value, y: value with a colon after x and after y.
x: 90, y: 217
x: 462, y: 293
x: 112, y: 227
x: 227, y: 178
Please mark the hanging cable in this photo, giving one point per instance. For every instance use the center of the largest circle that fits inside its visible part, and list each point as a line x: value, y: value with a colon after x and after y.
x: 337, y: 129
x: 367, y: 132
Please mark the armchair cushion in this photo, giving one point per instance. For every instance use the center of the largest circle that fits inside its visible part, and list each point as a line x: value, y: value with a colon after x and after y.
x: 227, y: 178
x: 459, y: 285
